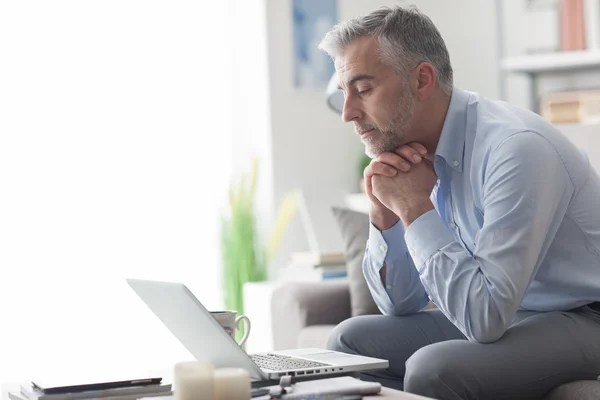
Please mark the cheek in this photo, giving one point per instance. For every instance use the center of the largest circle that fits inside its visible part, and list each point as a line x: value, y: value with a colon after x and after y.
x: 384, y: 117
x: 380, y: 112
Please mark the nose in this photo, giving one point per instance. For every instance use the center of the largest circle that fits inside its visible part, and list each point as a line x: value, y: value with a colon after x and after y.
x: 351, y: 111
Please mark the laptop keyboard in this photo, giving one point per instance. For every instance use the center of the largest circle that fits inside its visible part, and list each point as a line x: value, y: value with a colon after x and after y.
x: 279, y: 362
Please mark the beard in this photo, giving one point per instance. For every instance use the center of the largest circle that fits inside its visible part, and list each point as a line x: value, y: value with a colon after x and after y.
x: 392, y: 135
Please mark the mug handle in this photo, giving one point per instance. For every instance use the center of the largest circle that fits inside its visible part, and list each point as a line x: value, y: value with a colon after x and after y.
x: 247, y: 326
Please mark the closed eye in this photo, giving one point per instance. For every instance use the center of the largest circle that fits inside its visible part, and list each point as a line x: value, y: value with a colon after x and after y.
x: 363, y: 92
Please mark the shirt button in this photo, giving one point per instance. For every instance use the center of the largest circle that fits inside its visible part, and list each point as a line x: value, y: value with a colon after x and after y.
x: 452, y: 225
x: 382, y: 248
x: 412, y: 252
x: 389, y: 286
x: 455, y: 163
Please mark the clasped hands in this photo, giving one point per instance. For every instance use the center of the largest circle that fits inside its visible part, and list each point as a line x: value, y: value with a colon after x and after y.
x: 399, y: 185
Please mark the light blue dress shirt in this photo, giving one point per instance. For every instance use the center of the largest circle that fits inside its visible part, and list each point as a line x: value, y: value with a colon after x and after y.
x: 521, y: 228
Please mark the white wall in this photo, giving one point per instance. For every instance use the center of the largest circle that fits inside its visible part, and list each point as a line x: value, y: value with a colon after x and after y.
x: 114, y: 151
x: 310, y: 144
x: 469, y: 30
x: 251, y: 109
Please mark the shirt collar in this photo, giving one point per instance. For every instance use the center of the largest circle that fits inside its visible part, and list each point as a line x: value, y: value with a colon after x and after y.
x: 451, y: 145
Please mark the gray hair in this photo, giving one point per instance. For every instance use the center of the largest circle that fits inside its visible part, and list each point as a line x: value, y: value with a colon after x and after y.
x: 406, y: 38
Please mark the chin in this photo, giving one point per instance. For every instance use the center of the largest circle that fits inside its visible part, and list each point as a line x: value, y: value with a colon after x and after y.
x: 376, y: 148
x: 370, y: 153
x: 371, y: 149
x: 374, y: 151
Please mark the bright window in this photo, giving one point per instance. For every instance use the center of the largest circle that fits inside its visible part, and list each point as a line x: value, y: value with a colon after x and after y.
x: 115, y: 153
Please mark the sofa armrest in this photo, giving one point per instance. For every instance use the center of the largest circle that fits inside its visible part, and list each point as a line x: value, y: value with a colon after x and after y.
x: 296, y: 305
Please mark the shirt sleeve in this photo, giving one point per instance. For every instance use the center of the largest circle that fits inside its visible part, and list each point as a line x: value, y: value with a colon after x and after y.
x: 525, y: 195
x: 403, y: 292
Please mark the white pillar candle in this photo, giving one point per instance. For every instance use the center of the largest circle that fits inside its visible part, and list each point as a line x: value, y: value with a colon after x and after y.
x: 232, y: 384
x: 193, y: 380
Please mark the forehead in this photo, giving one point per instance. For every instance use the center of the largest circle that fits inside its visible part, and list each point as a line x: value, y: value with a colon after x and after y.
x: 360, y: 57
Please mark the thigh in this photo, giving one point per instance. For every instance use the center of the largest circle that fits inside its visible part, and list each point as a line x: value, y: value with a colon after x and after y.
x: 392, y: 338
x: 534, y: 356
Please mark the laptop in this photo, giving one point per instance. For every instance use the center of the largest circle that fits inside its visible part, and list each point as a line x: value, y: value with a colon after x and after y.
x: 201, y: 334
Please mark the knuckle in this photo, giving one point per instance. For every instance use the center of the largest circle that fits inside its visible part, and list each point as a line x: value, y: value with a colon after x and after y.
x: 399, y: 164
x: 418, y: 147
x: 376, y: 165
x: 410, y: 151
x: 407, y: 152
x: 381, y: 158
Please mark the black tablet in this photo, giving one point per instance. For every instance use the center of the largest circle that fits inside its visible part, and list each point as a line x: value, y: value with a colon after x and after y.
x: 50, y: 387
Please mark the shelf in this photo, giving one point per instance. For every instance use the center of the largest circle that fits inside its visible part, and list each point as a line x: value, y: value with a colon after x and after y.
x: 551, y: 62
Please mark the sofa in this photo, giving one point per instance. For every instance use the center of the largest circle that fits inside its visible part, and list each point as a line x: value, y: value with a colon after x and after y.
x: 304, y: 313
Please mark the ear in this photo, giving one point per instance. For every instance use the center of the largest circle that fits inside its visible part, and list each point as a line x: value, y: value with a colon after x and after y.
x: 425, y: 79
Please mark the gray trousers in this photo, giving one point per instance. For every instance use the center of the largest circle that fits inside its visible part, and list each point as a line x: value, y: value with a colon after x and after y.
x: 429, y: 356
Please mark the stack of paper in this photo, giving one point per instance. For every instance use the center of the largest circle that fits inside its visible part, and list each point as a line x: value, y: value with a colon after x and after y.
x: 29, y: 392
x: 311, y: 266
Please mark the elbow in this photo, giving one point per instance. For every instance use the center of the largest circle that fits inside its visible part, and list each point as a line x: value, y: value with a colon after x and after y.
x: 487, y: 337
x: 487, y: 334
x: 487, y: 324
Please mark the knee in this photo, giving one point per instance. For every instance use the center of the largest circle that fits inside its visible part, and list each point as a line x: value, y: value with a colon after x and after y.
x: 348, y: 335
x: 431, y: 371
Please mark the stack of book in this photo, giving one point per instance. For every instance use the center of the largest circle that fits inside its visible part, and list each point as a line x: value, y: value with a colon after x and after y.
x: 131, y: 391
x: 311, y: 266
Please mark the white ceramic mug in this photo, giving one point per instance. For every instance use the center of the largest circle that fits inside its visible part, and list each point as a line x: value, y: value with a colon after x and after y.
x: 230, y: 321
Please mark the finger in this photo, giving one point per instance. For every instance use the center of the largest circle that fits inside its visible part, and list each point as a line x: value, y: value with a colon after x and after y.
x: 369, y: 188
x: 379, y: 168
x: 368, y: 185
x: 409, y: 154
x: 393, y: 160
x: 418, y: 147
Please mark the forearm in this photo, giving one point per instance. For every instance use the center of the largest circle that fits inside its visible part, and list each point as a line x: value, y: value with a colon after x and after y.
x: 391, y: 274
x: 409, y: 212
x: 382, y: 218
x: 478, y: 294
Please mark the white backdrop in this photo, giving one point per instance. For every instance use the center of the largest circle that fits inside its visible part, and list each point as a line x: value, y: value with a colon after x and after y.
x: 115, y: 151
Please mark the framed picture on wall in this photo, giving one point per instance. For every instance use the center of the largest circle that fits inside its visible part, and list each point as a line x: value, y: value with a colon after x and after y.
x: 312, y: 19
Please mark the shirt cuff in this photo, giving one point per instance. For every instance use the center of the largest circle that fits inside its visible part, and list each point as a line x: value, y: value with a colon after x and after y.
x: 425, y: 237
x: 387, y: 245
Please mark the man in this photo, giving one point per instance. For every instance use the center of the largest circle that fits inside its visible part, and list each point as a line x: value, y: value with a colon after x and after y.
x: 482, y: 207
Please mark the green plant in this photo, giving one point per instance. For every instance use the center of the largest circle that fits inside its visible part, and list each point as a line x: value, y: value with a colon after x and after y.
x: 245, y: 258
x: 363, y: 162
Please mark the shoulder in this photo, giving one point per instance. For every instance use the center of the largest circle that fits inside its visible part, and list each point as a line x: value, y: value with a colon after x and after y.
x: 525, y: 144
x: 498, y: 131
x: 501, y: 130
x: 495, y: 121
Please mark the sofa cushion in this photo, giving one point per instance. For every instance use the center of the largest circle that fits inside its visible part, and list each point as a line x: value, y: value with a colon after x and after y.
x: 296, y: 305
x: 580, y: 390
x: 354, y: 227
